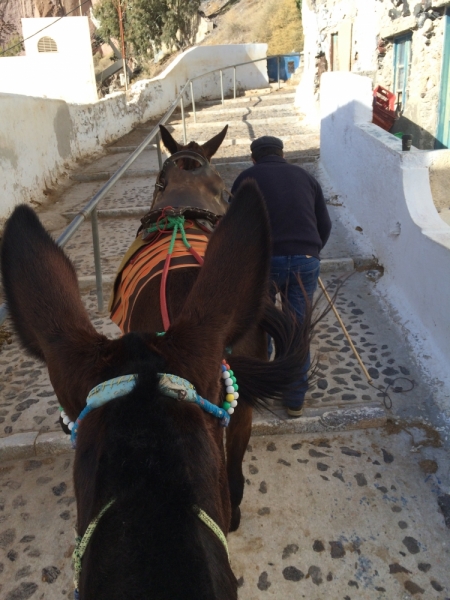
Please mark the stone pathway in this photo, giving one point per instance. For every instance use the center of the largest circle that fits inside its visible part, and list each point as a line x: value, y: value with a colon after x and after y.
x: 349, y: 516
x: 321, y: 515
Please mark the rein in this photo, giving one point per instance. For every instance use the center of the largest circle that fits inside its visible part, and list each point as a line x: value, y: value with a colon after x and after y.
x: 176, y: 224
x: 81, y: 543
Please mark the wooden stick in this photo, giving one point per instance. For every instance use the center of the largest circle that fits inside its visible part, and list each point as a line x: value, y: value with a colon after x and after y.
x: 344, y: 329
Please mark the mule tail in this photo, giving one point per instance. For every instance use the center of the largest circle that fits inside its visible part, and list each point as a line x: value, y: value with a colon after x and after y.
x: 262, y: 381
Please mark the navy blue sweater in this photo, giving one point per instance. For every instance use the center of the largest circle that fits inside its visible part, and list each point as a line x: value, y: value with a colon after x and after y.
x: 298, y: 214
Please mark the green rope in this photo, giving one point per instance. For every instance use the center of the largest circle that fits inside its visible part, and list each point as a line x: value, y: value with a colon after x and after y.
x: 172, y: 241
x: 183, y: 236
x: 175, y: 223
x: 82, y: 542
x: 212, y: 525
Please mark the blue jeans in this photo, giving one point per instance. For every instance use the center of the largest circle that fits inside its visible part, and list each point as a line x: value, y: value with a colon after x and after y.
x: 284, y: 274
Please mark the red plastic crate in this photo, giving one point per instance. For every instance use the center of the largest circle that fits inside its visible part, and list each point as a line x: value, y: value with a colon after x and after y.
x: 383, y: 108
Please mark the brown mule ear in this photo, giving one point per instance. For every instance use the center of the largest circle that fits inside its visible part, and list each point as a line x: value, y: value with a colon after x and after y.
x: 211, y: 146
x: 44, y: 301
x: 168, y: 141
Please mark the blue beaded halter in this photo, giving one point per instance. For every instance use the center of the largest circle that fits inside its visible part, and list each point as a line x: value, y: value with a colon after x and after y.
x: 169, y: 385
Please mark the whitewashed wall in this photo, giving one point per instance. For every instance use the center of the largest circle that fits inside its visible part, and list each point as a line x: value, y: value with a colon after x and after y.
x: 67, y: 74
x: 388, y: 192
x: 40, y: 138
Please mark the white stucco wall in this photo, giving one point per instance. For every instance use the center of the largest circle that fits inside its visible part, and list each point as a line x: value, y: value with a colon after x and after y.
x: 67, y: 74
x: 388, y: 192
x: 40, y: 138
x: 202, y: 59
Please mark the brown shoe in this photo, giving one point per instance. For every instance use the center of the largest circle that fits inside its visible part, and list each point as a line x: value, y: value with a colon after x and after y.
x: 295, y: 413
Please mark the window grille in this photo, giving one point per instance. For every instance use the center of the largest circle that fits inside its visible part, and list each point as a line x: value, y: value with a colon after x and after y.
x: 47, y: 44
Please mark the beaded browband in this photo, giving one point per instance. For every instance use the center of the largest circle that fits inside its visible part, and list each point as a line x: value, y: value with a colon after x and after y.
x: 169, y: 385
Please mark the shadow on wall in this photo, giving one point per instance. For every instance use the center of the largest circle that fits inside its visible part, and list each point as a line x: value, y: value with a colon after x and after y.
x: 421, y: 138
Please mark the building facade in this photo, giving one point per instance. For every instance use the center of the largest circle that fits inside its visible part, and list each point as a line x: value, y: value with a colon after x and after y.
x: 401, y: 45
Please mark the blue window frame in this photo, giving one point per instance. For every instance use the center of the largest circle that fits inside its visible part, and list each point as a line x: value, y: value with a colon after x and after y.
x: 402, y: 60
x: 443, y: 129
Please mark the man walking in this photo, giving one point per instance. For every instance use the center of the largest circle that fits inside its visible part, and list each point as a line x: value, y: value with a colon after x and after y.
x: 300, y: 227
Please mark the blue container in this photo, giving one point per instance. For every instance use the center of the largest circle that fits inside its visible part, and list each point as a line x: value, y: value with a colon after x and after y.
x: 288, y: 65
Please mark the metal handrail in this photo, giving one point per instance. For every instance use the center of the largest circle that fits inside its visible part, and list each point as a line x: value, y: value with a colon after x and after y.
x: 91, y: 207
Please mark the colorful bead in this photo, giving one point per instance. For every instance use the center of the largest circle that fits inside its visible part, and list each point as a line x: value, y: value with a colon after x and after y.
x: 231, y: 388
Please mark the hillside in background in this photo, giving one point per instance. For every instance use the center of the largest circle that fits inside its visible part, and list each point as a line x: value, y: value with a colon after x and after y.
x: 275, y: 22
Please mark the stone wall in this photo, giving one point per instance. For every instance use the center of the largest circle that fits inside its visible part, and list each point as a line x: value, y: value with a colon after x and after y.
x: 373, y: 26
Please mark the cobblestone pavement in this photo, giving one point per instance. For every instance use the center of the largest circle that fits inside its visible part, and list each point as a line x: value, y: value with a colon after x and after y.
x: 350, y: 515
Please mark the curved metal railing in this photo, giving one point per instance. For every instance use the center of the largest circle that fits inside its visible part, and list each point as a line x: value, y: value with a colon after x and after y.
x: 90, y: 210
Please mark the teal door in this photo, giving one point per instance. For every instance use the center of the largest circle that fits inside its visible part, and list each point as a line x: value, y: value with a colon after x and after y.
x: 443, y: 129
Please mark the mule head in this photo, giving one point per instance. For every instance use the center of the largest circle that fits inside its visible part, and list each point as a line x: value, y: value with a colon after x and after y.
x: 207, y: 150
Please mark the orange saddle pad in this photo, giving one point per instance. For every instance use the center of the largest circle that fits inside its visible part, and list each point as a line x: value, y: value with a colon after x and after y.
x: 142, y: 262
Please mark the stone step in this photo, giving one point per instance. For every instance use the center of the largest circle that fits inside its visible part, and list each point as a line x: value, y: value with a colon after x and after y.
x: 105, y: 175
x: 266, y: 116
x: 30, y: 444
x: 235, y: 123
x: 127, y: 149
x: 266, y: 98
x: 88, y: 282
x: 242, y: 110
x: 90, y: 175
x: 328, y: 265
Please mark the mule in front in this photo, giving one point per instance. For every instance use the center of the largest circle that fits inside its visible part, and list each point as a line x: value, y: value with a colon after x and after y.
x: 162, y: 265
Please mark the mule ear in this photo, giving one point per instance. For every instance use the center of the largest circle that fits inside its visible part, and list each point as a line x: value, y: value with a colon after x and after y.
x: 41, y: 289
x: 210, y: 147
x: 169, y: 142
x: 227, y: 297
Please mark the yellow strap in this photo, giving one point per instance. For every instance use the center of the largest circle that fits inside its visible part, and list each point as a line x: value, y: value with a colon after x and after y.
x: 81, y: 544
x: 212, y: 525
